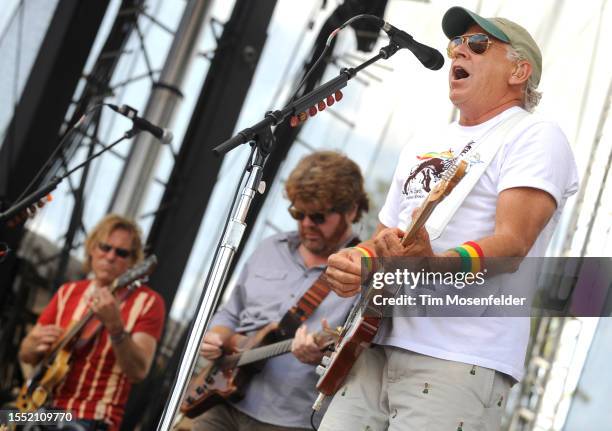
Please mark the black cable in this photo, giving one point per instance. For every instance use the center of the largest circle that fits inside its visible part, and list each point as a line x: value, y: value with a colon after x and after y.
x: 57, y: 149
x: 312, y: 420
x: 332, y: 35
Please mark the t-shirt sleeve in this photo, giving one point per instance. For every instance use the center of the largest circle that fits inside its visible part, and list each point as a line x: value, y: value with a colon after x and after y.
x: 228, y: 314
x: 540, y: 158
x: 152, y: 320
x: 49, y: 314
x: 389, y: 213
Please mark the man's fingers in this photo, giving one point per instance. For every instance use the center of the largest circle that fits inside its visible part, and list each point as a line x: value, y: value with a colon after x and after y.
x: 214, y: 339
x: 423, y: 234
x: 50, y: 330
x: 210, y: 351
x: 41, y: 348
x: 48, y: 339
x: 343, y: 263
x: 324, y: 324
x: 342, y: 281
x: 344, y: 290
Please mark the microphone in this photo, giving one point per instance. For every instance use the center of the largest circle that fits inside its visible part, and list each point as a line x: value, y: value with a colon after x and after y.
x: 428, y: 56
x: 164, y: 135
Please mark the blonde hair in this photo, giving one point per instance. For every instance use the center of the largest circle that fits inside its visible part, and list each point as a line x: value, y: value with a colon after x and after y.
x: 102, y: 231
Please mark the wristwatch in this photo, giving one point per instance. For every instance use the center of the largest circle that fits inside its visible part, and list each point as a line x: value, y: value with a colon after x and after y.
x: 119, y: 337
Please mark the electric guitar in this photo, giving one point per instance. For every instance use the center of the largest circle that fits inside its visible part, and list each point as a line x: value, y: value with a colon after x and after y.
x: 226, y: 377
x: 364, y: 320
x: 52, y: 369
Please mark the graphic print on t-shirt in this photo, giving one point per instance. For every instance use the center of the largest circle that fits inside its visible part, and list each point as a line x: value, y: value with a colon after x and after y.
x: 428, y: 171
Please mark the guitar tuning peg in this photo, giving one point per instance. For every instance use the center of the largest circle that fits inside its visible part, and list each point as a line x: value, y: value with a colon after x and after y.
x: 312, y: 111
x: 330, y: 100
x: 338, y: 94
x: 303, y: 116
x: 294, y: 121
x: 321, y: 105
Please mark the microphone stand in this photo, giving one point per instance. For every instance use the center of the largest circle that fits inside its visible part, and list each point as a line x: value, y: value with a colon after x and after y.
x: 24, y: 204
x: 260, y: 135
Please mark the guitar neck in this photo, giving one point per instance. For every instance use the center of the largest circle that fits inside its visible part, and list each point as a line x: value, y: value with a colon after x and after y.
x: 264, y: 352
x: 424, y: 212
x: 75, y: 329
x: 450, y: 178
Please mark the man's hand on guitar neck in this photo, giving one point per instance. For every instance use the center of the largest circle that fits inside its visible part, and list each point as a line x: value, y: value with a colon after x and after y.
x: 106, y: 307
x: 388, y: 243
x: 38, y: 342
x: 134, y: 352
x: 212, y: 344
x: 211, y: 347
x: 344, y: 267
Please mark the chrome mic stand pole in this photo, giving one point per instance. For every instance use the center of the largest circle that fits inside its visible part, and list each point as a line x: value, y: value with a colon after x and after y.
x: 232, y: 236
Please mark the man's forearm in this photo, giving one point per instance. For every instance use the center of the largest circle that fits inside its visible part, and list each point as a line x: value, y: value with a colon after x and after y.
x: 27, y: 352
x: 131, y: 358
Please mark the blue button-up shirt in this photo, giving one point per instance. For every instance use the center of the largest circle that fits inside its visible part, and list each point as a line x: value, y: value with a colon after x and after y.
x: 273, y: 279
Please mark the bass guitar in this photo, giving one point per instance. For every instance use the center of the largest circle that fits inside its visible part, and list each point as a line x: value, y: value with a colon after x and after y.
x: 52, y: 369
x: 364, y: 320
x: 226, y: 377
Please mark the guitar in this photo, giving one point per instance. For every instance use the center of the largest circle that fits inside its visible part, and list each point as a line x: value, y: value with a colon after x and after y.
x: 364, y: 320
x: 226, y: 377
x: 52, y: 369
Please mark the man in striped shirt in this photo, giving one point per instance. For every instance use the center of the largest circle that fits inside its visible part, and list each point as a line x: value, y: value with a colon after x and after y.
x: 102, y: 370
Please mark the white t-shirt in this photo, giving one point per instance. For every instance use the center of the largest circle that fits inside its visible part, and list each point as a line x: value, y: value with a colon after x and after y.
x: 536, y: 154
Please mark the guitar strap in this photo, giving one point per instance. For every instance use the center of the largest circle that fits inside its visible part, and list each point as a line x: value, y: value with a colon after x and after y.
x: 483, y: 155
x: 306, y: 305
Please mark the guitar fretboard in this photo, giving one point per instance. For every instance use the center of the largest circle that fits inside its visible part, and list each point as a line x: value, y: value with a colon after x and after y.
x: 264, y: 352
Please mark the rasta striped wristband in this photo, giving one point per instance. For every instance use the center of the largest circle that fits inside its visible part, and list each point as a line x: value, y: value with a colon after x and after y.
x: 472, y: 257
x: 368, y: 254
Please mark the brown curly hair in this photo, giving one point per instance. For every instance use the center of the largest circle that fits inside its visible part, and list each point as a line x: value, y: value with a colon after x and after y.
x: 104, y: 228
x: 329, y: 180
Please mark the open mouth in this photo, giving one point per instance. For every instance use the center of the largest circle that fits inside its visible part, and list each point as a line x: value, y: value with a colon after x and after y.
x: 460, y: 73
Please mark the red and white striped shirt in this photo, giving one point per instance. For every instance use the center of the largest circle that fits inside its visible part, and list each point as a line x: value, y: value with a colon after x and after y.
x: 96, y: 387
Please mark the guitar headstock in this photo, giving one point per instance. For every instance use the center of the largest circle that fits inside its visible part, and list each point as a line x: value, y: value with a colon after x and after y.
x: 450, y: 178
x: 138, y: 272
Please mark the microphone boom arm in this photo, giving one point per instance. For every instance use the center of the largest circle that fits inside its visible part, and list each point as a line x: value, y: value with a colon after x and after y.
x: 302, y: 104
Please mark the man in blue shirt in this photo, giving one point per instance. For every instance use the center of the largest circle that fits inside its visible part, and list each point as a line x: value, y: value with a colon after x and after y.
x: 327, y: 196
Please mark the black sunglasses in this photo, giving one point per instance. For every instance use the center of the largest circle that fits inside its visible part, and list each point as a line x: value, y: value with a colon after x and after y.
x: 316, y: 218
x: 120, y: 252
x: 477, y: 42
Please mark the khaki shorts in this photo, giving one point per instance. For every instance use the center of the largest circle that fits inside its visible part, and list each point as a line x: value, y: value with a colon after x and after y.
x: 395, y: 389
